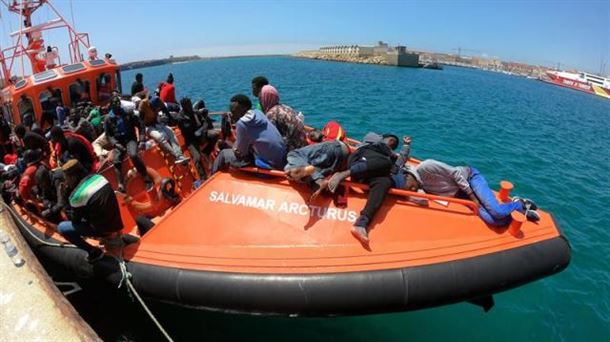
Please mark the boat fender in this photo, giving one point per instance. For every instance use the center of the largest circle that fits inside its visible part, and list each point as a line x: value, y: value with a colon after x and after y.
x: 168, y: 189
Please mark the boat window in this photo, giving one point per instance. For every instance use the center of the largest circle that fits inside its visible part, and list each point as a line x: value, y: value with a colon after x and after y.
x: 68, y: 69
x: 49, y: 99
x: 117, y: 80
x: 97, y: 62
x: 104, y: 87
x: 44, y: 76
x: 26, y: 110
x: 20, y: 84
x: 79, y: 91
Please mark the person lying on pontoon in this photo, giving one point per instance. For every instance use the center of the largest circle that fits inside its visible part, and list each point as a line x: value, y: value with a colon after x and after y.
x: 371, y: 164
x: 438, y: 178
x: 257, y: 140
x: 313, y: 163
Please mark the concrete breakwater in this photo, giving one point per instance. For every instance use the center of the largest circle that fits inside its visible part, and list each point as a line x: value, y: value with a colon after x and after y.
x: 343, y: 58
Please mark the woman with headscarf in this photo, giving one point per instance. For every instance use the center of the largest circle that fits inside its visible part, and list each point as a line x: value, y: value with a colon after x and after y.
x: 285, y: 119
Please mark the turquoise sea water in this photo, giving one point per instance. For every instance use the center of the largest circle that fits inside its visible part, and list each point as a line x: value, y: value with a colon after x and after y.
x: 552, y: 143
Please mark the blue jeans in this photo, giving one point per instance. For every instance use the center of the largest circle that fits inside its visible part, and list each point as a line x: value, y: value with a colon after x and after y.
x: 74, y: 232
x: 491, y: 211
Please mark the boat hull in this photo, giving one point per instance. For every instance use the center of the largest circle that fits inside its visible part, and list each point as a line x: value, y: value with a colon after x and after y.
x: 324, y: 294
x: 577, y: 85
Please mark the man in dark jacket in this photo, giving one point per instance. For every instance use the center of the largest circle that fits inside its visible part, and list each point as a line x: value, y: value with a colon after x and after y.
x: 120, y: 128
x: 197, y: 130
x: 371, y: 164
x: 95, y: 209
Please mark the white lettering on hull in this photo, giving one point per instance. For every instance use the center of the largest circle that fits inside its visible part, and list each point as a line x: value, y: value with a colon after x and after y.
x: 293, y: 208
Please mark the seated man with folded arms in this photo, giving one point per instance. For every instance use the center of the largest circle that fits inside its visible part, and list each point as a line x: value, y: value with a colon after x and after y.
x: 257, y: 139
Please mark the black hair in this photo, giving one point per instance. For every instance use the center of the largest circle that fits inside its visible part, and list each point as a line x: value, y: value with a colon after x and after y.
x: 388, y: 135
x: 260, y: 81
x: 243, y: 101
x: 139, y: 75
x: 56, y: 132
x: 20, y: 130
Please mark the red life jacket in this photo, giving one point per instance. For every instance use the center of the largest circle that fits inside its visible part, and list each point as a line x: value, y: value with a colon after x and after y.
x: 334, y: 131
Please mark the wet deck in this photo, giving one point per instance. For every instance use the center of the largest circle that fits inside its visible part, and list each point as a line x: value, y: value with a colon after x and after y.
x: 31, y: 306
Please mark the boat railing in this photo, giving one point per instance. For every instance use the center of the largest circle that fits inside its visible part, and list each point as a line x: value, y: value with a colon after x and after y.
x: 393, y: 191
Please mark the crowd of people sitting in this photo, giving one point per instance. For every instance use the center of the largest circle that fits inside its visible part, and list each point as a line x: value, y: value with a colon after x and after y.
x: 51, y: 167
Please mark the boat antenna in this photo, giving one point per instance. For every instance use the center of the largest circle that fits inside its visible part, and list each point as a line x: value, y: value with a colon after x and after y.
x: 72, y: 14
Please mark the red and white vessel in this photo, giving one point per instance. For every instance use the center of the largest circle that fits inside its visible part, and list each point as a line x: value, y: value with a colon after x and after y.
x: 582, y: 81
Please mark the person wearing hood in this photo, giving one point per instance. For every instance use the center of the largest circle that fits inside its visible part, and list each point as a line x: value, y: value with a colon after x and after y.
x: 257, y: 139
x: 466, y: 182
x: 285, y: 119
x: 371, y: 164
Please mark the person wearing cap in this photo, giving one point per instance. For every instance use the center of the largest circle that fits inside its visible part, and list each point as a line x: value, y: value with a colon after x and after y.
x: 466, y: 182
x: 160, y: 133
x: 94, y: 208
x: 371, y: 164
x: 120, y: 132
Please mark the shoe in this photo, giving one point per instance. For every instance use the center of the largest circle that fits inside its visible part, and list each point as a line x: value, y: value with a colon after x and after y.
x: 96, y: 254
x: 532, y: 215
x: 129, y: 239
x: 527, y: 203
x: 181, y: 160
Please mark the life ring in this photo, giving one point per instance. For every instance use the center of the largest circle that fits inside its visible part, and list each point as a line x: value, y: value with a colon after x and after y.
x: 161, y: 197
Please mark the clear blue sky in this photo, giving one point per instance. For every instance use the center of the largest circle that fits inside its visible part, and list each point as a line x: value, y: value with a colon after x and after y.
x: 572, y: 32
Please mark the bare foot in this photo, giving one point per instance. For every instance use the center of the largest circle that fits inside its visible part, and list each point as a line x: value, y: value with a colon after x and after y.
x: 336, y: 179
x: 302, y: 172
x: 361, y: 234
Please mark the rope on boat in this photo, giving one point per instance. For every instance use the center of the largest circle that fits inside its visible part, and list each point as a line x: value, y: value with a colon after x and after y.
x: 126, y: 279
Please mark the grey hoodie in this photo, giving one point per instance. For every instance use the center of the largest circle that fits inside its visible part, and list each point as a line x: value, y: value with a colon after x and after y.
x: 438, y: 178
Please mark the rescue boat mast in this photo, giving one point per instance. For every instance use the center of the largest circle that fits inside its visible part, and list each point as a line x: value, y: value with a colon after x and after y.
x: 29, y: 43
